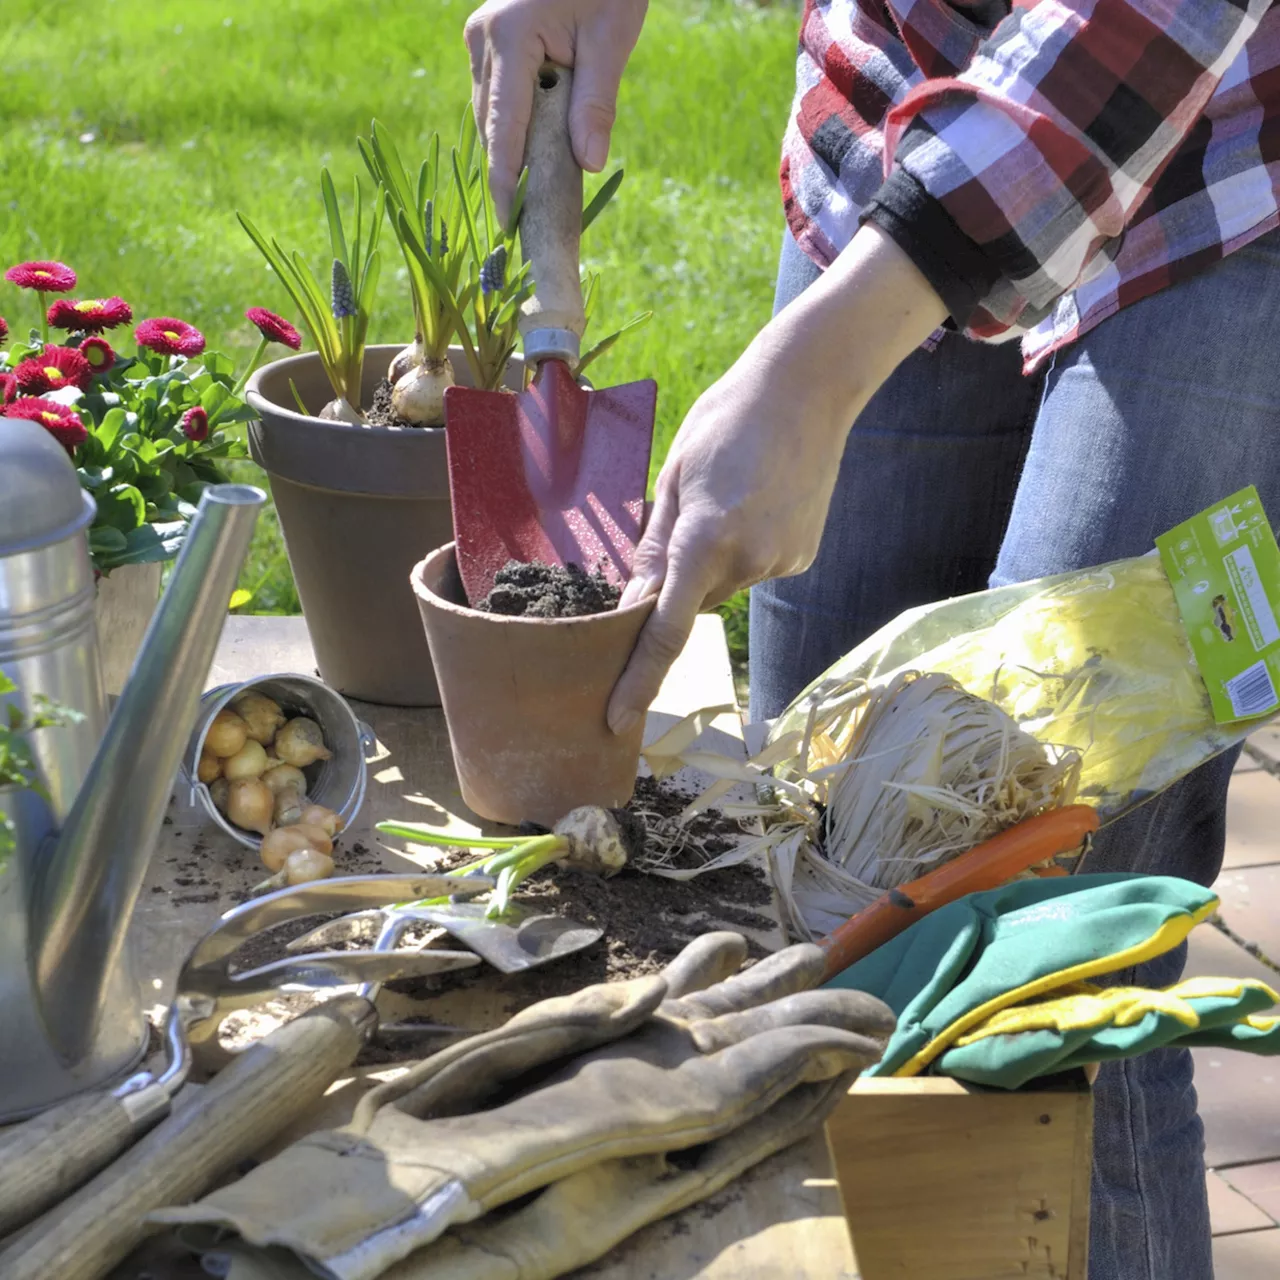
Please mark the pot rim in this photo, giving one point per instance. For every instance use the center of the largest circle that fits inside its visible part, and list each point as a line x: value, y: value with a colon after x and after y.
x: 255, y: 398
x: 417, y: 579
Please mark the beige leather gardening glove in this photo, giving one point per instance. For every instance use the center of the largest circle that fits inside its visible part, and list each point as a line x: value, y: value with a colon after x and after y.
x: 352, y: 1203
x: 581, y: 1217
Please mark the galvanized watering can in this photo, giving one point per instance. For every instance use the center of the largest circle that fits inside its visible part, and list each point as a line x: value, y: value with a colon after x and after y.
x: 71, y: 1008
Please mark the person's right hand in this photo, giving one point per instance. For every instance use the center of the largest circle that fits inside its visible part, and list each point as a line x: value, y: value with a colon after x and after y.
x: 510, y: 39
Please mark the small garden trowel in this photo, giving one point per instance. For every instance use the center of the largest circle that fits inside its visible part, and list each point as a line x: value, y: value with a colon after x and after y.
x: 555, y: 474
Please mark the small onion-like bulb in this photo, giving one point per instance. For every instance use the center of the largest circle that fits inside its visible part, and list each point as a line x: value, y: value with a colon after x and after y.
x: 285, y: 777
x: 210, y: 767
x: 317, y: 815
x: 408, y: 358
x: 249, y: 762
x: 262, y: 715
x: 301, y: 743
x: 289, y: 807
x: 226, y: 734
x: 219, y: 791
x: 304, y: 865
x: 250, y: 805
x: 340, y: 410
x: 277, y: 845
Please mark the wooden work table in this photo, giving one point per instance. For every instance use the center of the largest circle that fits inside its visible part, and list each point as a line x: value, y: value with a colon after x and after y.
x: 782, y: 1220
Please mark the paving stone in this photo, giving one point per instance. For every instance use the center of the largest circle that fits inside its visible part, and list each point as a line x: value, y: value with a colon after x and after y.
x: 1240, y: 1106
x: 1267, y: 740
x: 1230, y: 1211
x: 1251, y: 1255
x: 1260, y: 1183
x: 1250, y: 898
x: 1211, y: 954
x: 1253, y: 820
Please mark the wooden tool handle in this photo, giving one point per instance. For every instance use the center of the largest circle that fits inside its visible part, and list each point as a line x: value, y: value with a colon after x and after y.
x: 267, y: 1088
x: 45, y: 1159
x: 986, y: 866
x: 551, y: 221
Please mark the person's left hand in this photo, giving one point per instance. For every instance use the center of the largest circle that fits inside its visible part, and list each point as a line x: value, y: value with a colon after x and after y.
x: 744, y: 491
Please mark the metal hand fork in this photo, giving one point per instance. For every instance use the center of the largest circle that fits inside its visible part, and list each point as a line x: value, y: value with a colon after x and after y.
x: 46, y: 1158
x: 521, y: 938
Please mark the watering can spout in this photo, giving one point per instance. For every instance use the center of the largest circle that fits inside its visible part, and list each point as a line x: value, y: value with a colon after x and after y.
x: 88, y: 877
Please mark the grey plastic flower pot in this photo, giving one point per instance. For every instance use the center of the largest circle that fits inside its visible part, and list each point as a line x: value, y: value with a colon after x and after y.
x: 358, y: 508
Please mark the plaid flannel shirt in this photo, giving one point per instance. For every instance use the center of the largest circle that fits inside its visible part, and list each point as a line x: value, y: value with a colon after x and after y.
x: 1045, y: 162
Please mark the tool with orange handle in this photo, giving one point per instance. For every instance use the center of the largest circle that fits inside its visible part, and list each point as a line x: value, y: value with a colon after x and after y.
x: 986, y: 866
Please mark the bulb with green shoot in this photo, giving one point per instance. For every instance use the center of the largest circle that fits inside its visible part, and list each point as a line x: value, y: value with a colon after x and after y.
x: 598, y: 841
x: 426, y: 219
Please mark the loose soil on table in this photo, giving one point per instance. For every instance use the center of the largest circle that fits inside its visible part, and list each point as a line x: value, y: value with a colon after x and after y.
x: 548, y: 591
x: 381, y: 414
x: 647, y: 918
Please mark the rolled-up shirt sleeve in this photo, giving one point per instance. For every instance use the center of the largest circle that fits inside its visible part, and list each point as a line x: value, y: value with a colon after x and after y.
x: 1011, y: 181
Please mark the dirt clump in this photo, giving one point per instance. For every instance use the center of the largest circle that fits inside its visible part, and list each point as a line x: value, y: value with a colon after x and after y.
x: 548, y: 591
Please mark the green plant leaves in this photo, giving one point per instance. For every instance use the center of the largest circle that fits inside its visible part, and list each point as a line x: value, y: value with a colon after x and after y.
x: 608, y: 189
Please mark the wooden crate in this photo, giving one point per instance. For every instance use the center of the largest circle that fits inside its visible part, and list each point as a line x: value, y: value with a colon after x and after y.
x: 940, y: 1181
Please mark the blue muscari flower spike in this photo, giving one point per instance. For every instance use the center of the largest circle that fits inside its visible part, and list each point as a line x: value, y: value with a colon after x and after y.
x: 428, y: 221
x: 344, y: 297
x: 444, y: 238
x: 494, y: 271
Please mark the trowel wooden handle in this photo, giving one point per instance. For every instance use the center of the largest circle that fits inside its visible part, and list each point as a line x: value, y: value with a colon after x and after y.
x: 551, y: 217
x: 45, y: 1159
x: 265, y: 1090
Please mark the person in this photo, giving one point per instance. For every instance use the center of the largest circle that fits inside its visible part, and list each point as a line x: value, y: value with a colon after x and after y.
x: 1023, y: 325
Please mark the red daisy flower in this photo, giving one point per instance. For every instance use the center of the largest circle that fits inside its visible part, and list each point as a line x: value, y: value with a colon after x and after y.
x: 59, y: 421
x: 170, y: 337
x: 8, y: 388
x: 98, y: 352
x: 43, y: 277
x: 4, y: 329
x: 53, y: 369
x: 195, y: 424
x: 273, y: 327
x: 92, y: 315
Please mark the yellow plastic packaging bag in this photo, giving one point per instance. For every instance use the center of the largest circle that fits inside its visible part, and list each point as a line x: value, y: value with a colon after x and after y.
x: 1096, y: 660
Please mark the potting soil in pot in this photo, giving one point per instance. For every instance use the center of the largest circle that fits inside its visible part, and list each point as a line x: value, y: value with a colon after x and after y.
x: 548, y: 591
x: 381, y: 414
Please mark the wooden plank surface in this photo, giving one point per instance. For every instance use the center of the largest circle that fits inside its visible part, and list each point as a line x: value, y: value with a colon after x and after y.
x: 941, y: 1182
x: 781, y: 1220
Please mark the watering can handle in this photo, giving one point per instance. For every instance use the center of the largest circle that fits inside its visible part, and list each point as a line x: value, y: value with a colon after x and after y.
x: 266, y: 1089
x: 552, y: 321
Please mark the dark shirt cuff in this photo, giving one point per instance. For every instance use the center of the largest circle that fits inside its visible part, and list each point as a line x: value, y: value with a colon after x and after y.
x: 960, y: 273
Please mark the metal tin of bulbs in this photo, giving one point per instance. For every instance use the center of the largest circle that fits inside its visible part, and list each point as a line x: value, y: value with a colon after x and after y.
x: 337, y: 783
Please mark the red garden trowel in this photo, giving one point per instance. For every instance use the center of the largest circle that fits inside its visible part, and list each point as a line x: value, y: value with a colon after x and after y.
x: 555, y: 474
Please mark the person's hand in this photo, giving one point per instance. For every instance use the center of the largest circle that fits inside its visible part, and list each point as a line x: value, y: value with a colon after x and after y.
x: 744, y: 491
x: 510, y: 39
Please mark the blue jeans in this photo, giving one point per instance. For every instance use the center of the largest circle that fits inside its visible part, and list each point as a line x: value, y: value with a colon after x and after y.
x: 962, y: 473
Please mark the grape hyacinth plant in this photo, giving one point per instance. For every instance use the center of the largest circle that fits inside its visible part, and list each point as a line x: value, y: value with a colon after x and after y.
x: 339, y: 323
x: 147, y: 431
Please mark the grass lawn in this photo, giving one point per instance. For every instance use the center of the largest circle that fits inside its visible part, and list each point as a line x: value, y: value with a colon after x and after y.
x: 130, y: 135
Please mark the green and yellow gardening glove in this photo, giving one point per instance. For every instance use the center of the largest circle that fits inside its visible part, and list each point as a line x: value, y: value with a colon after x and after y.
x: 994, y: 988
x: 711, y: 1061
x: 1099, y: 1024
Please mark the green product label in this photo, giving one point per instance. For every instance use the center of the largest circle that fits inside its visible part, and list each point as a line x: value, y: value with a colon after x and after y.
x: 1225, y: 569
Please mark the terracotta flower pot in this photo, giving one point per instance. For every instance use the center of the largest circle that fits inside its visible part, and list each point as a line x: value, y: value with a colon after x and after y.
x: 525, y: 701
x: 358, y: 507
